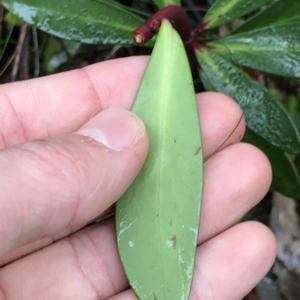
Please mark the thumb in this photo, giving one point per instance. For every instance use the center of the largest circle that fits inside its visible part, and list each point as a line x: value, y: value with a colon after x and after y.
x: 59, y: 185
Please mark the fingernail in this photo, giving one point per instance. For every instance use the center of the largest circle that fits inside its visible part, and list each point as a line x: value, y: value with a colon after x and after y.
x: 115, y: 128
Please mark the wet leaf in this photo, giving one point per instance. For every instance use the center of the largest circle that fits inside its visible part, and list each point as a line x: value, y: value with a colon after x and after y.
x: 285, y: 177
x: 280, y: 13
x: 164, y: 3
x: 205, y: 81
x: 87, y: 21
x: 224, y: 11
x: 157, y: 219
x: 269, y: 42
x: 264, y: 114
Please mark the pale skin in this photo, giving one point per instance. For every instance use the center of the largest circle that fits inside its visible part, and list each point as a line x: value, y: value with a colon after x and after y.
x: 53, y: 182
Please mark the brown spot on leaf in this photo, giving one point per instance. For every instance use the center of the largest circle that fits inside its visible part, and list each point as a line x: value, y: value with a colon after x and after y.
x: 198, y: 150
x: 173, y: 239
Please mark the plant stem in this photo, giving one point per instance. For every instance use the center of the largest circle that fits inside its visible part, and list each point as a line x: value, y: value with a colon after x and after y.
x: 199, y: 29
x: 177, y: 17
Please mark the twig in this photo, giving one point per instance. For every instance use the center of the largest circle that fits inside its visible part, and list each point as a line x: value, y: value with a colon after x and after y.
x: 177, y: 17
x: 8, y: 62
x: 19, y: 48
x: 36, y: 53
x: 24, y: 62
x: 112, y: 52
x: 6, y: 42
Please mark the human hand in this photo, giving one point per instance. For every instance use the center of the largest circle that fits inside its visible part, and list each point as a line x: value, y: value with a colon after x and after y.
x: 54, y: 182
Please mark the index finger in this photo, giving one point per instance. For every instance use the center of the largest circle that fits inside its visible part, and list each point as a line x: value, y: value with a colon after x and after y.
x: 62, y: 103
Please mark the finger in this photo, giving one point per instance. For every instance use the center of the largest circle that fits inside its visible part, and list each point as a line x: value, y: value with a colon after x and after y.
x: 87, y: 266
x: 64, y: 183
x: 61, y: 103
x: 232, y: 263
x: 229, y: 265
x: 236, y: 179
x: 211, y: 105
x: 222, y: 121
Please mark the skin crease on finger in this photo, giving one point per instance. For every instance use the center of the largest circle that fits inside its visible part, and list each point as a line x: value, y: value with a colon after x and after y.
x: 86, y: 264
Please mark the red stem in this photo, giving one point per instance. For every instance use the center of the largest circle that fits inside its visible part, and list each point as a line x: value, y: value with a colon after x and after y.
x: 199, y: 29
x: 175, y: 14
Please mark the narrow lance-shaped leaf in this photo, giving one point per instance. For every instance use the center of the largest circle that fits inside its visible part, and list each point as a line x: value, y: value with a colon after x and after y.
x: 285, y: 177
x: 274, y: 47
x: 157, y: 219
x: 281, y: 12
x: 164, y: 3
x: 264, y: 114
x: 87, y: 21
x: 224, y: 11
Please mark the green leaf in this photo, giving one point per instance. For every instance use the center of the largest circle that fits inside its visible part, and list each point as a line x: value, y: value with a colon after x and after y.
x: 164, y: 3
x: 157, y: 218
x: 264, y: 114
x: 205, y: 81
x: 224, y: 11
x: 87, y: 21
x: 285, y: 177
x: 280, y: 13
x: 269, y: 42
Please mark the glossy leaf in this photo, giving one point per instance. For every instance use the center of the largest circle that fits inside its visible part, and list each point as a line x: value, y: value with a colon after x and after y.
x: 282, y: 12
x: 224, y: 11
x: 264, y: 114
x: 274, y: 47
x: 205, y: 81
x: 157, y: 219
x: 87, y: 21
x: 285, y: 177
x: 164, y: 3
